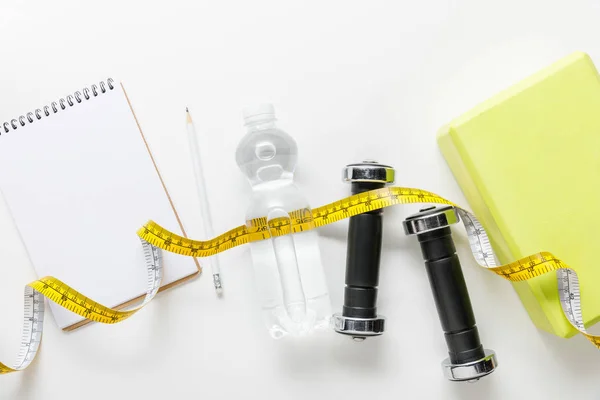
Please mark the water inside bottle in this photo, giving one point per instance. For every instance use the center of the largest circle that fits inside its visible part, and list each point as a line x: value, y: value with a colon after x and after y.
x: 288, y: 269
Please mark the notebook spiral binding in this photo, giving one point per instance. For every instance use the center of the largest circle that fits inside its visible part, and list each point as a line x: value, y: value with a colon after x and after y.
x: 70, y: 101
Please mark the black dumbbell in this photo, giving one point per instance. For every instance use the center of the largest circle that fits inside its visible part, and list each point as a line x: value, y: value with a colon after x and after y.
x: 468, y: 360
x: 359, y: 317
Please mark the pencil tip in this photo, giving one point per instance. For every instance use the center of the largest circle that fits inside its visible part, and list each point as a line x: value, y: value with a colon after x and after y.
x: 186, y: 110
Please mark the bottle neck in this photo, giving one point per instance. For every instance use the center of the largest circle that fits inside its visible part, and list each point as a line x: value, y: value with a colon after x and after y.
x: 286, y: 179
x: 260, y: 122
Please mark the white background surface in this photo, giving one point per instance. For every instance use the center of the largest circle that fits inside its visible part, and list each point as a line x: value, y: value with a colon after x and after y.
x: 349, y: 80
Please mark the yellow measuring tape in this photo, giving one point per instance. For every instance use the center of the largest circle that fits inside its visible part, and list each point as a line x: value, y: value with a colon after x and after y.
x: 154, y: 237
x: 69, y: 298
x: 303, y: 220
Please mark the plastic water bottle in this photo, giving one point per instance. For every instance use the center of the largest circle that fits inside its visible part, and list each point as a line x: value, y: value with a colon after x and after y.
x: 288, y: 270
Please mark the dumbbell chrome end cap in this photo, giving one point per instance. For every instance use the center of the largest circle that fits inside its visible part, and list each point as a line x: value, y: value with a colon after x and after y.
x: 368, y: 171
x: 358, y: 328
x: 429, y: 219
x: 471, y: 371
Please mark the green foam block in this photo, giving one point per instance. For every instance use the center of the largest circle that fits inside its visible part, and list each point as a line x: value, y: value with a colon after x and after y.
x: 528, y: 162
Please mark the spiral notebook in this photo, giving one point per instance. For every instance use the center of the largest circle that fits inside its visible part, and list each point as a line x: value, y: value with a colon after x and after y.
x: 79, y: 179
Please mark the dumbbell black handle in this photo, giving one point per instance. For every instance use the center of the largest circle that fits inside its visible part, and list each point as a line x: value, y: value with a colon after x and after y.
x: 451, y: 296
x: 362, y: 259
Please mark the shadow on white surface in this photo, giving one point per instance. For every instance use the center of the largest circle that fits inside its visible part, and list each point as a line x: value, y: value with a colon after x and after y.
x: 321, y: 353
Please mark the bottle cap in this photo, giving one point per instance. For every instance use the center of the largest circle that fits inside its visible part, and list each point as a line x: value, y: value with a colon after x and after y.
x: 258, y: 112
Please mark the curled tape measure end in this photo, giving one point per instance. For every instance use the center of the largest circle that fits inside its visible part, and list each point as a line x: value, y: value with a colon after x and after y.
x: 154, y: 238
x: 69, y: 298
x: 481, y: 248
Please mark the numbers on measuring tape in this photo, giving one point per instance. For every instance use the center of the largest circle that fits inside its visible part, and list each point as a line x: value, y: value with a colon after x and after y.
x: 69, y: 298
x: 481, y: 248
x: 154, y: 238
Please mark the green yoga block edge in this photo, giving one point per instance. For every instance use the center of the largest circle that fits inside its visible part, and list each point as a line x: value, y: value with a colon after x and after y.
x: 538, y: 295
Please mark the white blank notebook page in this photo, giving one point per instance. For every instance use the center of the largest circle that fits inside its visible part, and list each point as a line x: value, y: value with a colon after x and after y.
x: 79, y: 183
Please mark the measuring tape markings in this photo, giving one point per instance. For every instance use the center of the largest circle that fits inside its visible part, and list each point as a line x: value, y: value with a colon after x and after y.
x: 531, y: 267
x: 303, y: 220
x: 69, y: 298
x: 154, y: 238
